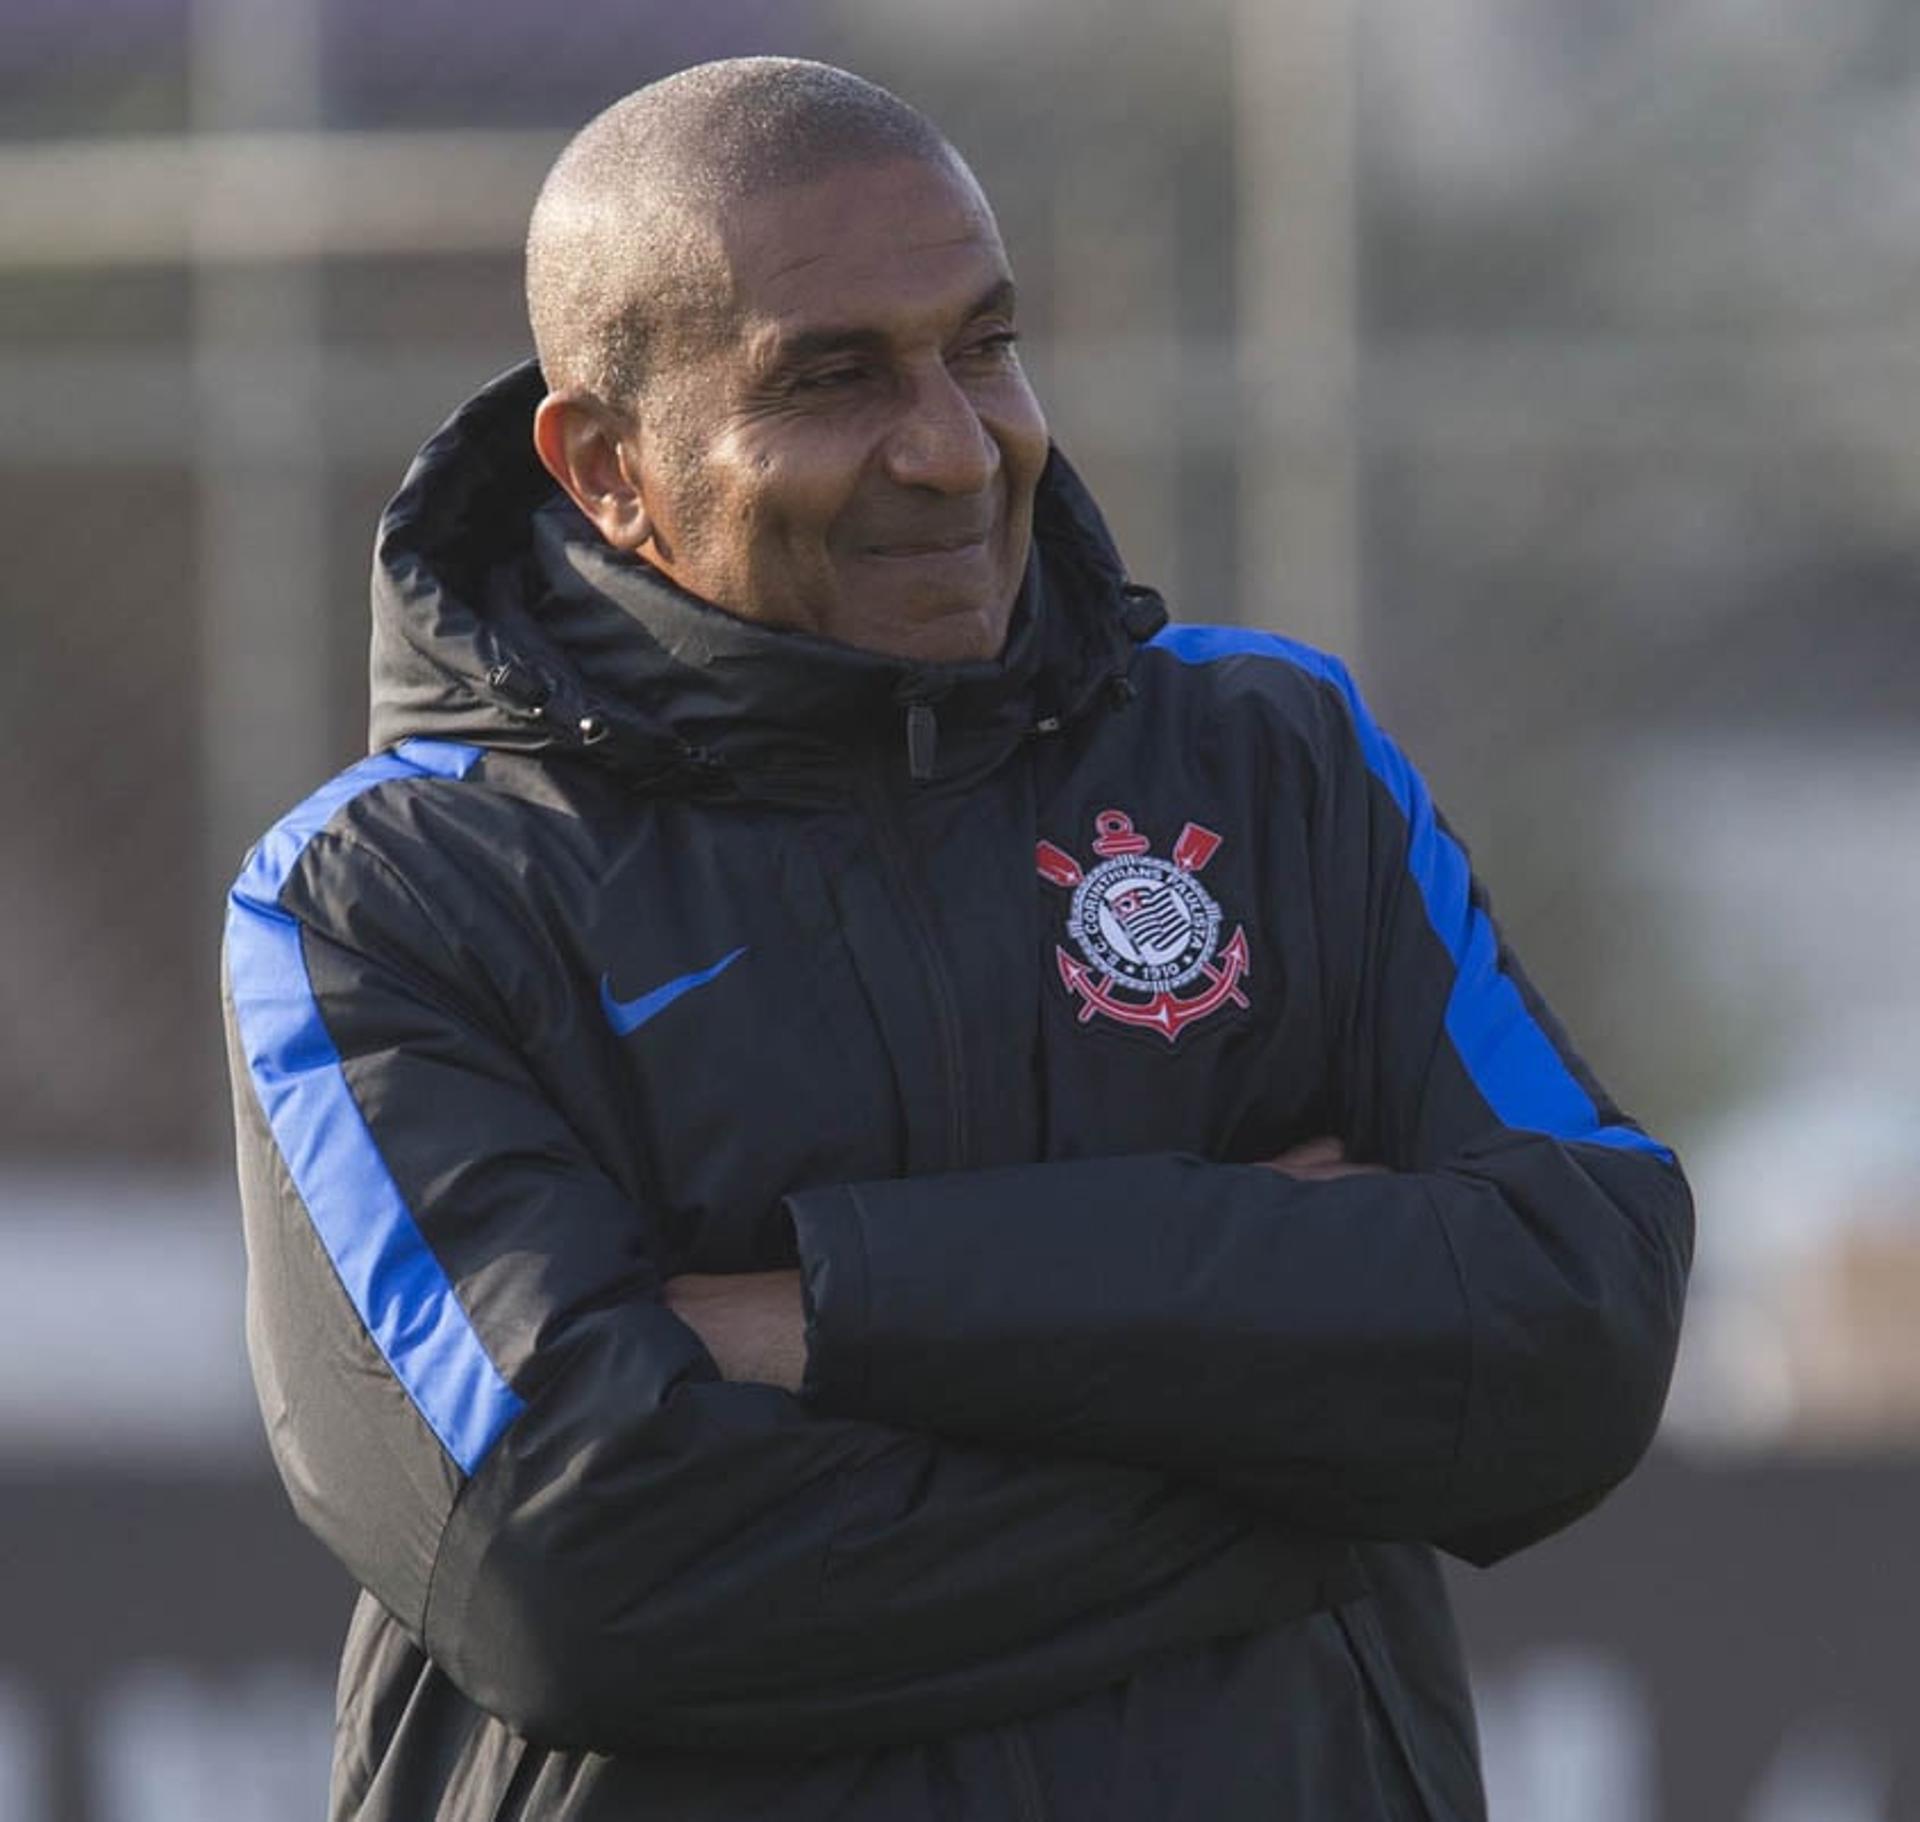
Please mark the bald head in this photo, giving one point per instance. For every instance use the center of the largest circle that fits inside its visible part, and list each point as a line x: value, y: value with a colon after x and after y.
x: 625, y: 263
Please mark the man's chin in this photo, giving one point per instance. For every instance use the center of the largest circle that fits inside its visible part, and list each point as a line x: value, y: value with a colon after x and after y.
x: 953, y: 633
x: 933, y: 622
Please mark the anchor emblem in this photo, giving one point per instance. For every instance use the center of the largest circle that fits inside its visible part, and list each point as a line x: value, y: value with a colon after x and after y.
x: 1146, y: 927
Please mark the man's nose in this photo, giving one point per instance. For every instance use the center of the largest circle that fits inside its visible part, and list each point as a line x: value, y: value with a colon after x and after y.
x: 938, y: 440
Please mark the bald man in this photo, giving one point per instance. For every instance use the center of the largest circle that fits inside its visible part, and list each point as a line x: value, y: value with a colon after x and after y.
x: 877, y: 1186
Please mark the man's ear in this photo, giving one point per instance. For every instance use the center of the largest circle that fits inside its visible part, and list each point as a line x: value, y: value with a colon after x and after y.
x: 590, y: 452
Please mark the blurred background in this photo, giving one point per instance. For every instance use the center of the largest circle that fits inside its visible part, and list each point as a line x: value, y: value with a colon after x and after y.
x: 1557, y: 361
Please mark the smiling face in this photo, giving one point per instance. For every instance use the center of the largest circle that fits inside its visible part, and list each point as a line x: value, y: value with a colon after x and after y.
x: 857, y: 456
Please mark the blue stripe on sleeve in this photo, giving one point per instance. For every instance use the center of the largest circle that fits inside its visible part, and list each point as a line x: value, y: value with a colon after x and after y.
x: 389, y: 1272
x: 1513, y: 1063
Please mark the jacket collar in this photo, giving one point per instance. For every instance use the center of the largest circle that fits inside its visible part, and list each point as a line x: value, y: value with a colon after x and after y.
x: 501, y: 618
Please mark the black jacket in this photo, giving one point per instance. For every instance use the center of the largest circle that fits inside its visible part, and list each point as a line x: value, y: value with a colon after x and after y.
x: 650, y: 941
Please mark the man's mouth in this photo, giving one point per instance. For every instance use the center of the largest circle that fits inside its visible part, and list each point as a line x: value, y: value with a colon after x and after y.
x: 954, y: 545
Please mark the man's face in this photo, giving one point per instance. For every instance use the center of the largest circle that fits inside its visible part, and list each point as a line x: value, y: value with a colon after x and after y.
x: 858, y: 457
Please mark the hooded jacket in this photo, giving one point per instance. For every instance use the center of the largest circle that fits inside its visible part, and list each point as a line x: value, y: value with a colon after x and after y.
x: 652, y: 941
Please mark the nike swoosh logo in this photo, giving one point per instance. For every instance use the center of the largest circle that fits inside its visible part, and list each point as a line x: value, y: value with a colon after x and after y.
x: 627, y: 1016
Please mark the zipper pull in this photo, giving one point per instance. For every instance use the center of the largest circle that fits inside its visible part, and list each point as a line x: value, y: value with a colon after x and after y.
x: 521, y: 688
x: 923, y: 736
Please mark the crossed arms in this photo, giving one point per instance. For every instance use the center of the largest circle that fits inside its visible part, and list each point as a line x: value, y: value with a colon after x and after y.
x: 754, y: 1324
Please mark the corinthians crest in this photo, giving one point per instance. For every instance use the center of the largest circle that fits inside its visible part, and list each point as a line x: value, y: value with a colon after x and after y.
x: 1147, y: 928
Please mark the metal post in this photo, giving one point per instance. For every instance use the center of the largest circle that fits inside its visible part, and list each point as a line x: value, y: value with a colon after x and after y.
x: 1115, y: 288
x: 259, y: 460
x: 1294, y: 121
x: 260, y: 468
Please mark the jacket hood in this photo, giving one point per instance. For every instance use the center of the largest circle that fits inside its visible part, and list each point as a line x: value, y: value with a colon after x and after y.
x: 500, y: 618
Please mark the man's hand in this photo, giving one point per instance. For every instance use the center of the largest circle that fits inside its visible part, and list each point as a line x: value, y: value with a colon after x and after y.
x: 1319, y: 1161
x: 753, y: 1323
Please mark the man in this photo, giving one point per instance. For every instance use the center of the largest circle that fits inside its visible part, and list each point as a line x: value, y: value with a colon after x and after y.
x: 753, y: 1101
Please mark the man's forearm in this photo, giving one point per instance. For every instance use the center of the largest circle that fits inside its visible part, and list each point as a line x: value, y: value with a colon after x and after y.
x: 754, y: 1323
x: 1375, y: 1354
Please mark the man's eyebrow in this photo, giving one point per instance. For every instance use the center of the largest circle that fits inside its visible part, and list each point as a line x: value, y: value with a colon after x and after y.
x: 813, y: 344
x: 999, y: 298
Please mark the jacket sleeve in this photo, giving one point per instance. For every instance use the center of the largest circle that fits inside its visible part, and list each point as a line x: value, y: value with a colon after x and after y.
x: 479, y: 1403
x: 1470, y: 1350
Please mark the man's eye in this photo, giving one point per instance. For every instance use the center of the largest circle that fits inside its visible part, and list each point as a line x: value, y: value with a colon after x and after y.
x: 829, y: 379
x: 994, y: 345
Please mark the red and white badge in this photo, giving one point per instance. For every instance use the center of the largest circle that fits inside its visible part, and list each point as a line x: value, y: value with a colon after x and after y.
x: 1146, y: 927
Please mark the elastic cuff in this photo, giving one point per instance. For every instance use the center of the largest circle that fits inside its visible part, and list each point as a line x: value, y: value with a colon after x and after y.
x: 829, y: 1228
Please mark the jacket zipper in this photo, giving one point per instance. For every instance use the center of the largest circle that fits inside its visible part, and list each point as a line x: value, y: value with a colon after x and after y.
x: 891, y: 838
